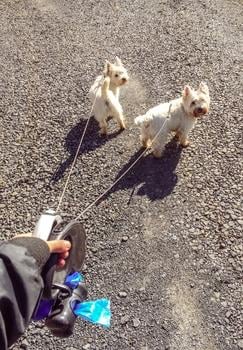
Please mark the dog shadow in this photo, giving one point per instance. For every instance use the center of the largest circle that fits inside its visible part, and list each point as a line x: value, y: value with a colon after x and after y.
x: 151, y: 177
x: 91, y: 141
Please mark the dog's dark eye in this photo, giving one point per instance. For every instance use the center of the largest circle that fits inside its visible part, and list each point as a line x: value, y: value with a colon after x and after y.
x: 193, y: 103
x: 116, y: 75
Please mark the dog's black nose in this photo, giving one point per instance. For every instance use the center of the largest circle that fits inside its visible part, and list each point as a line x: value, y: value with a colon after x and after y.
x: 200, y: 110
x: 124, y: 79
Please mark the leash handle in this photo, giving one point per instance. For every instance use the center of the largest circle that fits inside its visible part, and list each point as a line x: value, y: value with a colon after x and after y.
x: 51, y: 227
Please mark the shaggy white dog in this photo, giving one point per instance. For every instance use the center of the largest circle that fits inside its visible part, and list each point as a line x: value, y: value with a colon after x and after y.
x: 105, y: 93
x: 179, y: 115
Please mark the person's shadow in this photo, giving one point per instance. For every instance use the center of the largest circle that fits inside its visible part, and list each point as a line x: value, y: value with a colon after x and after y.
x: 91, y: 141
x: 151, y: 177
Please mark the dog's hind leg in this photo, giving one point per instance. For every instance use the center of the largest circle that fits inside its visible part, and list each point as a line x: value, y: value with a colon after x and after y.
x: 144, y: 138
x: 121, y: 122
x: 103, y: 127
x: 158, y: 147
x: 118, y: 115
x: 101, y: 119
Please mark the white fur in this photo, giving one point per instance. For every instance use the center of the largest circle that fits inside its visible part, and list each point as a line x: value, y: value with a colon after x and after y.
x: 178, y: 115
x: 105, y: 92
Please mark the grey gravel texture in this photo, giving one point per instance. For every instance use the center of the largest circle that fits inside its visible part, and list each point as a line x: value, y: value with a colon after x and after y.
x: 165, y: 245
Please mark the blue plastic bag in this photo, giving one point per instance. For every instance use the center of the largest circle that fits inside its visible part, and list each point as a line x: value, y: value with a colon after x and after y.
x: 73, y: 280
x: 97, y: 311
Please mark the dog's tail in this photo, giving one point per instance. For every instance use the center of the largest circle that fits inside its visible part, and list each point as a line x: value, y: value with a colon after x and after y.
x: 105, y: 87
x: 143, y: 119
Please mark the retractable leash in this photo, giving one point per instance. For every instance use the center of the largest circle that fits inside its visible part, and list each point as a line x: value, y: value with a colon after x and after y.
x: 64, y: 294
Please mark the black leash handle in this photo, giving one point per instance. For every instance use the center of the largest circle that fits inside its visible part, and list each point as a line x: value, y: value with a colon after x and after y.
x: 51, y: 274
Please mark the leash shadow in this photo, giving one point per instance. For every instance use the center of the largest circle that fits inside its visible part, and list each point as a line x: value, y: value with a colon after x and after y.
x: 91, y: 141
x: 151, y: 177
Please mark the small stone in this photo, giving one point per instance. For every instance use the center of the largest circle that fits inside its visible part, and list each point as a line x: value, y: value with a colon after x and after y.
x: 124, y: 238
x: 125, y: 319
x: 201, y: 262
x: 122, y: 294
x: 86, y: 346
x: 222, y: 245
x: 228, y: 314
x: 93, y: 250
x: 136, y: 322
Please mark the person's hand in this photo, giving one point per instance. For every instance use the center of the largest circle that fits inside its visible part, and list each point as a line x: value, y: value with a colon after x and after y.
x: 61, y: 247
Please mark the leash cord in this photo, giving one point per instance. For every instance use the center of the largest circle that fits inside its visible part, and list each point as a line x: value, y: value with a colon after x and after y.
x: 78, y: 149
x: 125, y: 172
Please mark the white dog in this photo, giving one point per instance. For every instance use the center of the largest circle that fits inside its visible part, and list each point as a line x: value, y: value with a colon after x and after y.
x: 105, y: 93
x: 178, y: 115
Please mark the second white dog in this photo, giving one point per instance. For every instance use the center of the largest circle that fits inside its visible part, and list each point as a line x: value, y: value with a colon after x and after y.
x: 105, y: 93
x: 178, y: 115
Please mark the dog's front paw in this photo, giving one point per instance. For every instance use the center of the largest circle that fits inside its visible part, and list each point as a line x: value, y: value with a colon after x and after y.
x: 122, y: 126
x: 185, y: 143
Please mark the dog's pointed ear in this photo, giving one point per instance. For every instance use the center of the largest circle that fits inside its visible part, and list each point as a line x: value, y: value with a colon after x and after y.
x: 203, y: 88
x: 187, y: 91
x: 107, y: 68
x: 119, y: 62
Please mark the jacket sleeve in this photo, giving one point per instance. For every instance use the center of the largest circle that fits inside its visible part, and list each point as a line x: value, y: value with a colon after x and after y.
x: 21, y: 261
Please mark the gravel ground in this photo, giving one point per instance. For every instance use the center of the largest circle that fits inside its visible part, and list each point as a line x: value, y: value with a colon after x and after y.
x: 165, y: 245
